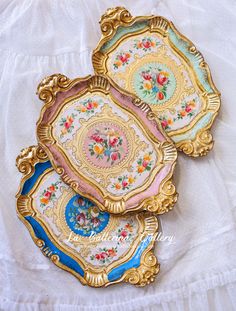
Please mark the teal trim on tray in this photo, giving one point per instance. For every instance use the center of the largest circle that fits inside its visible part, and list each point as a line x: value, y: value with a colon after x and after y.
x: 183, y: 46
x: 204, y: 121
x: 123, y: 31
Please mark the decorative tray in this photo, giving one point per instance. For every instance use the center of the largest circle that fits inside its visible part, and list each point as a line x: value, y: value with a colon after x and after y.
x: 146, y: 55
x: 106, y: 144
x: 96, y: 247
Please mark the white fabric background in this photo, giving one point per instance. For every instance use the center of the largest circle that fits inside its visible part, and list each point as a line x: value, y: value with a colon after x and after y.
x: 198, y: 271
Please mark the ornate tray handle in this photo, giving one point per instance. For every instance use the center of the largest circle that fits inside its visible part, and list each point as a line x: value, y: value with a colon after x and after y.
x: 28, y: 157
x: 164, y: 201
x: 145, y: 273
x: 114, y: 18
x: 51, y: 85
x: 202, y: 144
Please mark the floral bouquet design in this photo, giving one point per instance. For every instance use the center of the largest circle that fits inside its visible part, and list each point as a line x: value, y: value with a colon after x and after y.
x: 104, y: 255
x: 88, y: 106
x: 86, y: 218
x: 49, y: 194
x: 188, y: 110
x: 154, y: 83
x: 67, y: 124
x: 107, y: 144
x: 146, y: 44
x: 122, y: 59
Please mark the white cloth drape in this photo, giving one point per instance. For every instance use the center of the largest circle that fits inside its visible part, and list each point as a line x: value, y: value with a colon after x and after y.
x: 198, y: 270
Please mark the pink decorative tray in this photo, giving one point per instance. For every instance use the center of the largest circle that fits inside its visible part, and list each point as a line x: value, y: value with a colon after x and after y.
x: 106, y: 144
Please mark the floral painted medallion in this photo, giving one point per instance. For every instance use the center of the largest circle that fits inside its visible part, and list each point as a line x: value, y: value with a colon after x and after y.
x: 98, y: 248
x: 108, y: 147
x: 149, y: 57
x: 154, y: 83
x: 83, y: 217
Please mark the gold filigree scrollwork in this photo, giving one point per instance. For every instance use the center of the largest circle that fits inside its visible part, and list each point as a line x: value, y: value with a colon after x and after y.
x: 169, y: 152
x: 73, y: 184
x: 44, y: 134
x: 193, y: 50
x: 142, y: 105
x: 160, y: 23
x: 55, y: 258
x: 213, y: 101
x: 40, y: 243
x: 99, y: 82
x: 24, y: 206
x: 98, y: 60
x: 51, y: 85
x: 113, y: 18
x: 47, y: 251
x: 164, y: 201
x: 145, y: 273
x: 114, y: 207
x: 200, y: 146
x: 96, y: 279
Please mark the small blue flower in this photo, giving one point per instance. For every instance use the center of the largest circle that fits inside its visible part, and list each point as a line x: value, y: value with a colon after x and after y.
x: 107, y: 152
x: 155, y: 89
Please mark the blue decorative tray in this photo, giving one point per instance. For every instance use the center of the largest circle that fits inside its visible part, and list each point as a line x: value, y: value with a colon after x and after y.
x: 96, y: 247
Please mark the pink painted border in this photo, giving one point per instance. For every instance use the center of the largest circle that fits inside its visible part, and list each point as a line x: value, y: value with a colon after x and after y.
x: 152, y: 190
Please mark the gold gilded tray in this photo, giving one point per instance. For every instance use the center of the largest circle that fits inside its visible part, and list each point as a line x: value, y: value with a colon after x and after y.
x: 146, y: 55
x: 98, y: 248
x: 106, y: 144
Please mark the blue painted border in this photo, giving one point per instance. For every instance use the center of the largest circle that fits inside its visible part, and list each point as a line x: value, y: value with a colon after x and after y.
x: 134, y: 262
x: 39, y: 169
x: 64, y: 259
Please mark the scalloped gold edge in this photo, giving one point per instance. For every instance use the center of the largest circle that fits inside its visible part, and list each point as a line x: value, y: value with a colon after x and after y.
x: 149, y: 266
